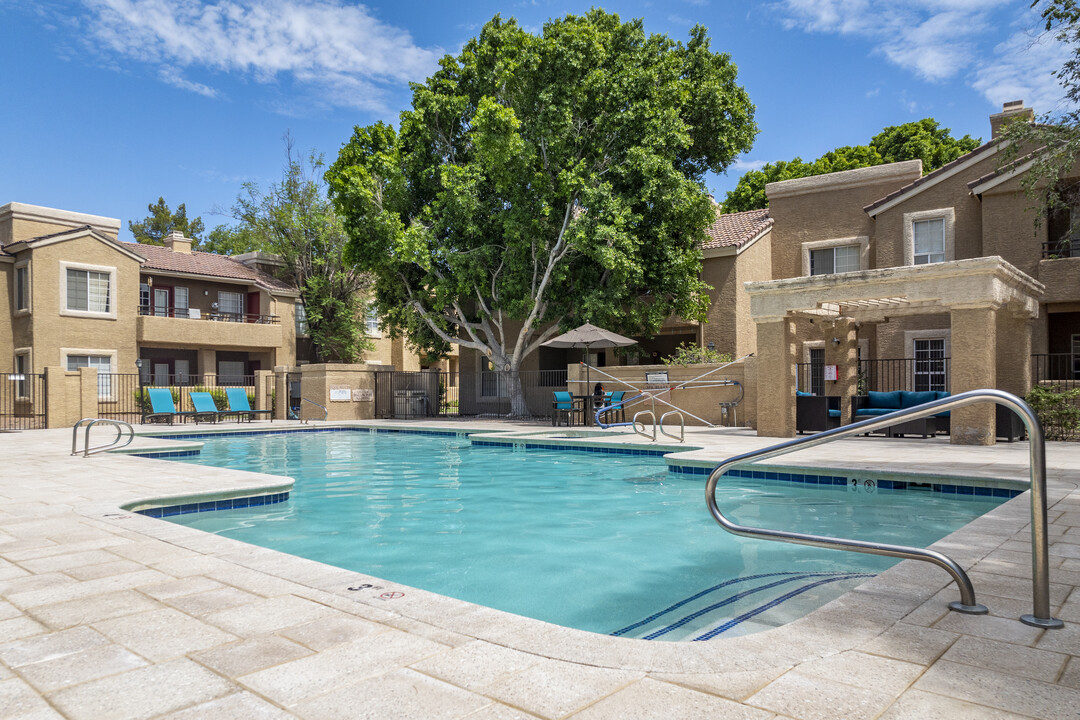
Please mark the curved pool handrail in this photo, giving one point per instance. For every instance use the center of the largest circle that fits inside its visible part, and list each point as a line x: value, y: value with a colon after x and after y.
x: 325, y: 412
x: 643, y: 425
x: 114, y: 444
x: 1040, y: 616
x: 682, y: 426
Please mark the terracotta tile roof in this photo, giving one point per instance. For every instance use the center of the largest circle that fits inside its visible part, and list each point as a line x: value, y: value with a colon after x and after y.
x: 736, y: 229
x: 931, y: 176
x: 204, y: 263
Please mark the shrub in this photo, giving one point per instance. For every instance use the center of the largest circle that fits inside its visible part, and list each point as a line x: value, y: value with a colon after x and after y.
x: 690, y: 354
x: 1058, y: 411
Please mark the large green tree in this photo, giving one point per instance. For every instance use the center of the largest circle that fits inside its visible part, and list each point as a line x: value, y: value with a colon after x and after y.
x: 541, y: 181
x: 921, y: 140
x: 1051, y: 146
x: 155, y: 227
x: 295, y: 220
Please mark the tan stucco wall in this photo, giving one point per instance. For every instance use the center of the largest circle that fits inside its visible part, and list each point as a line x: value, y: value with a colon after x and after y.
x: 19, y: 221
x: 728, y: 324
x: 317, y: 381
x: 7, y: 346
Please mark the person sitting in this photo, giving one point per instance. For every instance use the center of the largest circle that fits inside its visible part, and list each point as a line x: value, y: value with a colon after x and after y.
x: 598, y: 396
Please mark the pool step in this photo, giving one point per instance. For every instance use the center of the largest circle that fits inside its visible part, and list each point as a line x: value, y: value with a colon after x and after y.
x: 741, y: 605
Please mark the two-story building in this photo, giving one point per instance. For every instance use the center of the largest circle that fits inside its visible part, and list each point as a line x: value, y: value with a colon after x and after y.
x: 73, y: 295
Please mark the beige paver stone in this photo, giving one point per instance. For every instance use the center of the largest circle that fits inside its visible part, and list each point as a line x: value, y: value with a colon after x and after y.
x: 1005, y: 692
x: 91, y: 664
x: 49, y: 646
x: 401, y: 693
x: 814, y: 698
x: 1071, y: 676
x: 267, y: 615
x: 93, y: 572
x: 293, y: 682
x: 8, y: 611
x: 164, y: 634
x: 647, y: 699
x: 476, y: 665
x: 911, y: 643
x: 553, y: 688
x: 988, y: 626
x: 18, y: 701
x: 92, y: 609
x: 498, y: 711
x: 66, y: 561
x: 863, y: 670
x: 19, y: 627
x: 919, y: 705
x: 335, y: 629
x: 30, y: 583
x: 80, y: 590
x: 1006, y: 657
x: 248, y: 656
x: 211, y: 601
x: 238, y: 706
x: 141, y: 693
x: 732, y: 685
x: 177, y: 588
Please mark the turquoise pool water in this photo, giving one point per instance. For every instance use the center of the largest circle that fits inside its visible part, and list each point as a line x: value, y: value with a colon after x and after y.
x: 607, y: 543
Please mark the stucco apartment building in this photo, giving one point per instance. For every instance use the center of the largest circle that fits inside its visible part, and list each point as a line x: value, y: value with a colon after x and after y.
x: 72, y: 295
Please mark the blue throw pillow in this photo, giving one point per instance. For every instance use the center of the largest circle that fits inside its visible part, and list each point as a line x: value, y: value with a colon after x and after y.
x: 885, y: 399
x: 800, y: 393
x: 911, y: 399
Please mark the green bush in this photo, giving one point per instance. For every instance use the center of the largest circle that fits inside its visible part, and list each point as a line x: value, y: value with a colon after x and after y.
x: 690, y: 354
x: 1058, y: 410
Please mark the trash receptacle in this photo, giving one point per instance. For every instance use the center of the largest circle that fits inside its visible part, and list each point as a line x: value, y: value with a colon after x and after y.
x: 410, y: 403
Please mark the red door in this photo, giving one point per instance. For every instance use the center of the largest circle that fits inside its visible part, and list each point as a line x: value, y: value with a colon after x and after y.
x: 253, y: 307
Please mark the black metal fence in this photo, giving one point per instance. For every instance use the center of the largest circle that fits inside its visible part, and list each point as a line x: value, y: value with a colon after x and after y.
x: 1061, y: 369
x: 884, y: 375
x: 118, y: 397
x: 22, y: 401
x: 122, y: 396
x: 495, y: 396
x: 414, y: 395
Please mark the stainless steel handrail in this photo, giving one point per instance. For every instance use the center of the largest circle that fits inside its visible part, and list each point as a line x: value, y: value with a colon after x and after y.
x: 642, y: 432
x: 682, y: 426
x: 91, y: 422
x: 325, y: 412
x: 1040, y: 616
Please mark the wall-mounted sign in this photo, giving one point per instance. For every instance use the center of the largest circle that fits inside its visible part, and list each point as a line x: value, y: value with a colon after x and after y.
x: 340, y: 394
x: 363, y: 395
x: 658, y: 377
x: 831, y: 373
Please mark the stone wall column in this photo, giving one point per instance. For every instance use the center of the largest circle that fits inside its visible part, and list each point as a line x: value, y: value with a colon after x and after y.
x: 87, y: 401
x: 775, y: 377
x: 973, y: 367
x: 263, y: 384
x: 281, y: 392
x: 1014, y: 332
x: 845, y: 356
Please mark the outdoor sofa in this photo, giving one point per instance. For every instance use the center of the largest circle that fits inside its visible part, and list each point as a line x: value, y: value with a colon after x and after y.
x: 875, y: 404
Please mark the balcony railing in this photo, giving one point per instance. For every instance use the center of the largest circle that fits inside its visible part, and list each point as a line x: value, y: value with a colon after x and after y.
x: 1054, y: 249
x: 213, y: 315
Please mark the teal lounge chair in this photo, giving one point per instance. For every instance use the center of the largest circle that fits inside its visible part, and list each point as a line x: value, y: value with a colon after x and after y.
x: 204, y: 405
x: 565, y: 405
x: 238, y: 403
x: 614, y: 398
x: 162, y: 407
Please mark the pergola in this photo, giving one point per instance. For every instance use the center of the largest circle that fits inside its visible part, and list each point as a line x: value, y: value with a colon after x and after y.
x: 990, y: 306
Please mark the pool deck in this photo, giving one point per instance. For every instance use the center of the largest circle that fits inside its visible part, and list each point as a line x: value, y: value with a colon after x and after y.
x: 105, y: 613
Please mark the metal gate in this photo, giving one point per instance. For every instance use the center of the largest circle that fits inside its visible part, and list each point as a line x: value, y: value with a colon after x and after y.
x: 22, y: 401
x: 414, y: 395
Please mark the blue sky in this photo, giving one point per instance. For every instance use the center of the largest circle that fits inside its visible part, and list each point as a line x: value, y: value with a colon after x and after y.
x: 109, y: 104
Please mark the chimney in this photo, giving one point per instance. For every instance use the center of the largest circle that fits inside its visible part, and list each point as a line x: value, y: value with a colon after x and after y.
x: 178, y: 243
x: 1010, y: 111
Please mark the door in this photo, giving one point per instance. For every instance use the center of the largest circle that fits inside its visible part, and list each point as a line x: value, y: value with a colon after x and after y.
x: 161, y: 373
x: 253, y: 307
x: 182, y: 373
x: 930, y: 365
x: 817, y: 371
x: 161, y: 302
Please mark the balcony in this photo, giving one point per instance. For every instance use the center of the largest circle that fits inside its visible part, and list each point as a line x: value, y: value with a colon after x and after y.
x: 184, y: 327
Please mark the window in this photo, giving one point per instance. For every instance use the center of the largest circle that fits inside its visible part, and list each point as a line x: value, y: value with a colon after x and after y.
x: 103, y: 364
x: 230, y: 372
x: 930, y: 364
x: 1076, y: 356
x: 180, y: 302
x: 231, y: 305
x: 846, y: 258
x: 144, y: 299
x: 22, y: 287
x: 88, y: 290
x: 492, y: 382
x: 22, y: 381
x: 929, y: 241
x: 301, y: 319
x: 371, y: 320
x: 817, y: 371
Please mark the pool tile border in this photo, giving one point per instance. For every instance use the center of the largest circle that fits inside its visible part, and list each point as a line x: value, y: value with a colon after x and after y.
x: 211, y: 505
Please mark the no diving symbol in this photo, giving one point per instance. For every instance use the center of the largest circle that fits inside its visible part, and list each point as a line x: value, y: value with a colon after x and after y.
x: 391, y: 595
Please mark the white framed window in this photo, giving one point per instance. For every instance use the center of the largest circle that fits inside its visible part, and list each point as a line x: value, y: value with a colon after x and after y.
x: 301, y: 319
x: 144, y: 299
x: 371, y: 321
x: 21, y: 377
x: 929, y: 236
x: 231, y: 305
x: 180, y: 302
x: 87, y: 290
x: 21, y: 289
x: 931, y: 350
x: 840, y: 255
x: 102, y: 360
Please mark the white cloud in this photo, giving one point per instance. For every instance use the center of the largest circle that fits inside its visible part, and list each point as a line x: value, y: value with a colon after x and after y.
x: 339, y: 52
x: 1022, y: 68
x: 935, y: 39
x: 747, y: 165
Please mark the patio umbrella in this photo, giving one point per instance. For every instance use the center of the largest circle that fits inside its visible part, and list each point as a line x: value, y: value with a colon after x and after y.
x: 587, y: 337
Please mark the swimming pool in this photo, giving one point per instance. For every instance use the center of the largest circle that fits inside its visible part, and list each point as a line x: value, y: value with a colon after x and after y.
x: 609, y: 543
